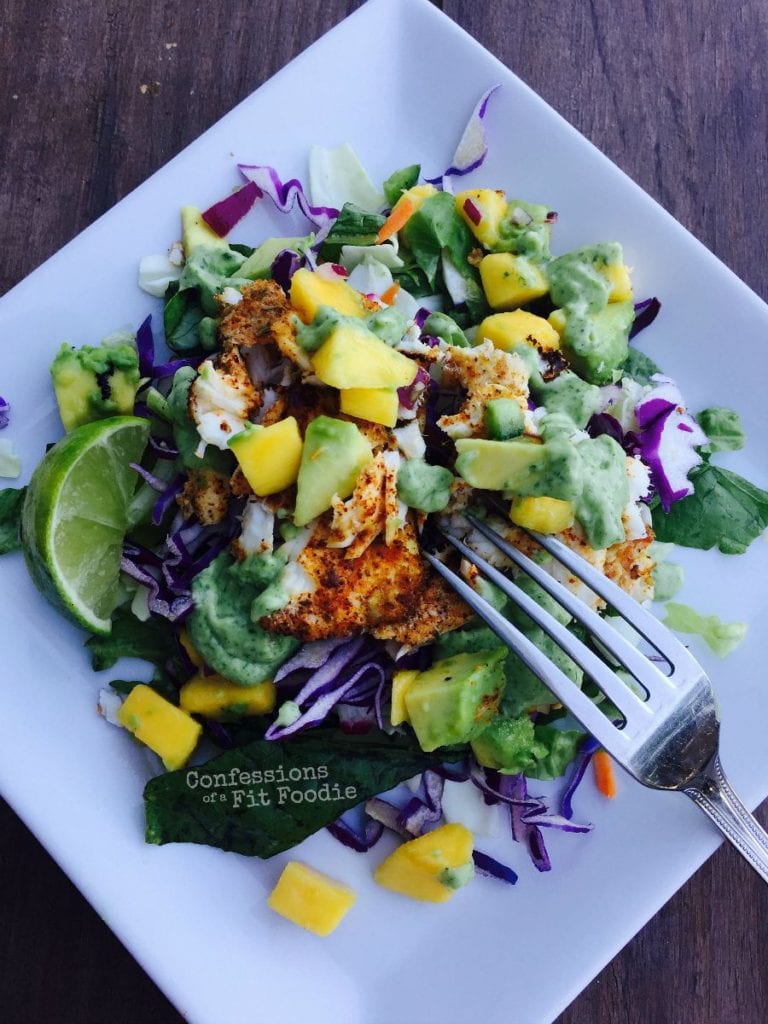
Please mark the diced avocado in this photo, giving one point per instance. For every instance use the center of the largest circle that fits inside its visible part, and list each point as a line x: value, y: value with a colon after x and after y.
x: 524, y: 230
x: 596, y: 344
x: 440, y: 325
x: 605, y: 493
x: 195, y: 232
x: 210, y: 269
x: 335, y: 453
x: 94, y: 382
x: 578, y: 279
x: 508, y: 745
x: 504, y: 419
x: 423, y: 486
x: 259, y: 263
x: 455, y: 699
x: 521, y: 467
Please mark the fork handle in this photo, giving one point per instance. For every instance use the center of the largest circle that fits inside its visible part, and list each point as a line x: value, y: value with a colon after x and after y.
x: 713, y: 793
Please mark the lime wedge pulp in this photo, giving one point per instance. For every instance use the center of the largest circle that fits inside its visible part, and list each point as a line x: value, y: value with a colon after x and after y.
x: 75, y: 517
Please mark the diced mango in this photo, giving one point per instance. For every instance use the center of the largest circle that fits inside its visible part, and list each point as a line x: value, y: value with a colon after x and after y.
x: 491, y: 205
x: 166, y: 729
x: 400, y: 684
x: 215, y: 697
x: 311, y: 899
x: 195, y: 232
x: 378, y: 405
x: 506, y: 330
x: 618, y: 275
x: 310, y: 291
x: 353, y: 358
x: 431, y: 867
x: 544, y: 515
x: 510, y: 281
x: 557, y: 319
x: 269, y: 456
x: 416, y: 196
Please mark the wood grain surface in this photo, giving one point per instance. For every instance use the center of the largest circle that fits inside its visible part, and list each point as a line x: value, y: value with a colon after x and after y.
x: 95, y: 97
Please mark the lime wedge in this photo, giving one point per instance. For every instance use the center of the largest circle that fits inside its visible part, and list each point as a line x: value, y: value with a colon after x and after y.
x: 75, y: 517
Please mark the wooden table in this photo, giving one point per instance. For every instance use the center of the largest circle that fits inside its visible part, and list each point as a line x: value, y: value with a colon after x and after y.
x: 94, y: 97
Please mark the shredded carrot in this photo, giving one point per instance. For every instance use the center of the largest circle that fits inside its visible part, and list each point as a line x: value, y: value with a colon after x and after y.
x: 389, y: 295
x: 604, y: 777
x: 397, y: 219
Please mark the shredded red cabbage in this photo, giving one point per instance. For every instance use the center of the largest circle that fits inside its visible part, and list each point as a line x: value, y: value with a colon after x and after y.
x: 222, y: 216
x: 355, y: 720
x: 284, y: 266
x: 410, y: 395
x: 160, y: 602
x: 604, y: 423
x: 149, y: 478
x: 372, y: 832
x: 472, y: 148
x: 165, y: 500
x: 645, y: 313
x: 5, y: 410
x: 421, y: 812
x: 386, y: 813
x: 285, y: 194
x: 580, y: 765
x: 160, y: 447
x: 488, y: 865
x: 145, y: 346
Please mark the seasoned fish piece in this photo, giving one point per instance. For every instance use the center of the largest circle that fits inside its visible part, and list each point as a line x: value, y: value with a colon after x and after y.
x: 436, y: 609
x: 486, y: 373
x: 205, y: 496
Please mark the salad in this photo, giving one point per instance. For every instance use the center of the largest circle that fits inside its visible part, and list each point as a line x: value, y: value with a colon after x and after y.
x: 245, y: 513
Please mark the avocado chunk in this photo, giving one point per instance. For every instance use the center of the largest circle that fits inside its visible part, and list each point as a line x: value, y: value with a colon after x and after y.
x: 577, y: 278
x: 423, y: 486
x: 532, y: 470
x: 504, y: 419
x: 596, y: 344
x: 259, y: 263
x: 570, y: 395
x: 508, y: 745
x: 444, y: 327
x: 334, y: 454
x: 94, y: 382
x: 455, y: 699
x: 524, y: 230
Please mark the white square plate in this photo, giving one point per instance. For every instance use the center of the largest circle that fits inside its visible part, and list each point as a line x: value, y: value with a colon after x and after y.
x: 196, y: 918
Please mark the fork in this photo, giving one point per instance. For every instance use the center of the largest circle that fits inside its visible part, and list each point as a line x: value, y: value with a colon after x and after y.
x: 668, y: 736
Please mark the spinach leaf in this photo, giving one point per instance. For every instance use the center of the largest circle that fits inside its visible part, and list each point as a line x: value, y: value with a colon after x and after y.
x: 436, y: 226
x: 152, y: 641
x: 353, y: 226
x: 639, y: 367
x: 268, y: 796
x: 412, y: 277
x: 399, y: 181
x: 181, y: 319
x: 725, y: 510
x: 11, y: 500
x: 723, y: 428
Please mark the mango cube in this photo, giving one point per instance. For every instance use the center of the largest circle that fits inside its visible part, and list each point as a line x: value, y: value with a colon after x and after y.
x: 544, y: 515
x: 401, y: 681
x: 621, y: 286
x: 430, y: 868
x: 310, y: 291
x: 311, y: 899
x: 269, y: 456
x: 215, y: 697
x: 557, y: 320
x: 352, y: 358
x: 163, y: 727
x: 196, y: 232
x: 490, y: 205
x: 378, y: 405
x: 507, y: 330
x: 510, y: 281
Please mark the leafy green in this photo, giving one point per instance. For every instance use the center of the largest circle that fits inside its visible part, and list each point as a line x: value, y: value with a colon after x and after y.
x: 412, y: 277
x: 185, y: 435
x: 353, y: 226
x: 399, y: 181
x: 11, y: 500
x: 253, y: 799
x: 639, y: 367
x: 181, y: 319
x: 725, y: 510
x: 209, y: 270
x: 721, y: 637
x: 151, y: 641
x: 161, y: 682
x: 723, y: 428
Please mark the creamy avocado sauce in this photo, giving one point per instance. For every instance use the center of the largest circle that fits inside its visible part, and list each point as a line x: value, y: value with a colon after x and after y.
x: 388, y: 325
x: 455, y: 878
x: 575, y: 279
x: 221, y: 627
x: 524, y: 230
x: 422, y: 486
x: 568, y: 395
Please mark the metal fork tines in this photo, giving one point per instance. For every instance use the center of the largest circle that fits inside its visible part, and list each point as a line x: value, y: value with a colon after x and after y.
x: 667, y: 737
